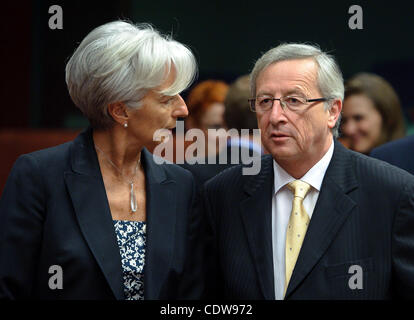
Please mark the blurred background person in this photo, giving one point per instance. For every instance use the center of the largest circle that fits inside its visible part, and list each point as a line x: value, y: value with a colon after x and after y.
x: 237, y: 116
x: 371, y: 114
x: 205, y: 103
x: 99, y: 207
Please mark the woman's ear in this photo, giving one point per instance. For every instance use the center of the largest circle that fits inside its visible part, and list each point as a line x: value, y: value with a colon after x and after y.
x: 118, y: 112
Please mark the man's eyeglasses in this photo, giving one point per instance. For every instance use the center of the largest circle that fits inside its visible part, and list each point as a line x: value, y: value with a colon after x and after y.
x: 293, y: 103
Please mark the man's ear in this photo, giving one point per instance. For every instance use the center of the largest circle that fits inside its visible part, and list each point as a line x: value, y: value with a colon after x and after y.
x: 118, y: 112
x: 334, y: 113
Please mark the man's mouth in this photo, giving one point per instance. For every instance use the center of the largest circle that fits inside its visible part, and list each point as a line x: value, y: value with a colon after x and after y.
x: 278, y: 135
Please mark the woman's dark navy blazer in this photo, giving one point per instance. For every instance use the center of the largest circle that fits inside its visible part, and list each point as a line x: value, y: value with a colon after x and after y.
x: 54, y: 212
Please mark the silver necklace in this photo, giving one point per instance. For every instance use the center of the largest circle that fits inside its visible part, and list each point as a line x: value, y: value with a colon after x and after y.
x: 133, y: 199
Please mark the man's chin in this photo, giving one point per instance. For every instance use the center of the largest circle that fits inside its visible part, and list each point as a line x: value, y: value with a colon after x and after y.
x: 282, y: 152
x: 283, y: 156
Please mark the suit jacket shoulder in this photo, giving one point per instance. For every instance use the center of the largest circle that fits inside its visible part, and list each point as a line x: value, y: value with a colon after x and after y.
x: 378, y: 174
x: 398, y: 153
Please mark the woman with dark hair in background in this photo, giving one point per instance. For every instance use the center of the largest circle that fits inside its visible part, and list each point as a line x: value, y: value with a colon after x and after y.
x: 99, y: 210
x: 371, y: 113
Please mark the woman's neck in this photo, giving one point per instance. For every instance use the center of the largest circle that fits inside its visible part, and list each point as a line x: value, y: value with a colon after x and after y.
x: 115, y: 144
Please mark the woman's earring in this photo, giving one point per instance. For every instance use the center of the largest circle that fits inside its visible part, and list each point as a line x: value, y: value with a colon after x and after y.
x: 125, y: 125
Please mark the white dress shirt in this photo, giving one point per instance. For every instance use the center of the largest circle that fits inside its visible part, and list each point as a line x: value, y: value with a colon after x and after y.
x: 282, y: 206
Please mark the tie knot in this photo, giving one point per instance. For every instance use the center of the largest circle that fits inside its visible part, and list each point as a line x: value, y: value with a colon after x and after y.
x: 299, y: 188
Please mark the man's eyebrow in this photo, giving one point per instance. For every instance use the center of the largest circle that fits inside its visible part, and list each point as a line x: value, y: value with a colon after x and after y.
x: 264, y: 93
x: 289, y: 92
x: 293, y: 92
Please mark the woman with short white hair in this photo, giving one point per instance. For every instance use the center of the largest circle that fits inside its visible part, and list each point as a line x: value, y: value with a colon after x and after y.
x: 97, y: 218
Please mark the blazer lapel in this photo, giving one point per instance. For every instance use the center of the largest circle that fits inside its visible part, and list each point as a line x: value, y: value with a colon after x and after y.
x: 331, y: 211
x: 87, y: 191
x: 256, y: 210
x: 161, y: 220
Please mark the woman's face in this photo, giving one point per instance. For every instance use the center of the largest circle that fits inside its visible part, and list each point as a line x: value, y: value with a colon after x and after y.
x: 157, y: 111
x: 361, y: 123
x: 213, y: 117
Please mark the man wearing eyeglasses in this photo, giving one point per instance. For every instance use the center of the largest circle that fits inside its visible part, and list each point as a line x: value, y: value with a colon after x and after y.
x: 318, y: 221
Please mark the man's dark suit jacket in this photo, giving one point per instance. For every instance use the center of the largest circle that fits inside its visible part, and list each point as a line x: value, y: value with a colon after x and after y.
x: 399, y: 153
x: 364, y: 216
x: 54, y: 211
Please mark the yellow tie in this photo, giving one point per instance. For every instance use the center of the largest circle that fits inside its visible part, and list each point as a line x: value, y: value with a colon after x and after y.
x: 298, y: 224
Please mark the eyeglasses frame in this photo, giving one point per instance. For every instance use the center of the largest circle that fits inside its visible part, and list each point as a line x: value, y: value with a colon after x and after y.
x: 253, y: 109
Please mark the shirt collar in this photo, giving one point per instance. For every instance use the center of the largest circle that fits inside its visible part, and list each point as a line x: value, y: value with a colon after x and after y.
x: 314, y: 176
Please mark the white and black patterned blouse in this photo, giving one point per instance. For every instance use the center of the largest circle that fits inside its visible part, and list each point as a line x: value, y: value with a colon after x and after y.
x: 131, y: 237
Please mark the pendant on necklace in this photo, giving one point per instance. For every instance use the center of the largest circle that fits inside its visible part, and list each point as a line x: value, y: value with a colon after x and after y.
x: 133, y: 199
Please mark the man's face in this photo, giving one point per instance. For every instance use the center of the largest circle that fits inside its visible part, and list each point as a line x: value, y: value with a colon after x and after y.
x: 304, y: 135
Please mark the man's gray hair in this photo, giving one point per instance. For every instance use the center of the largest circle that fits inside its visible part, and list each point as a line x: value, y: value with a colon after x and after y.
x: 329, y: 78
x: 120, y: 62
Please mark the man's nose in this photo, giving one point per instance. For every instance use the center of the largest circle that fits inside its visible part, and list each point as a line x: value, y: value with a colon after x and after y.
x: 277, y: 113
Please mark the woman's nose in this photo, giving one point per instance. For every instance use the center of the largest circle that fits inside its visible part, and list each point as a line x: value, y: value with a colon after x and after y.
x: 349, y: 128
x: 181, y: 110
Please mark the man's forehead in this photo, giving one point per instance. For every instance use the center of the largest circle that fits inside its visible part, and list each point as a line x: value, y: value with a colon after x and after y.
x: 295, y: 68
x: 294, y: 75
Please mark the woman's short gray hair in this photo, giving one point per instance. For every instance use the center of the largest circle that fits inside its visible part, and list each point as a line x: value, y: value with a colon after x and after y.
x: 329, y: 78
x: 120, y: 62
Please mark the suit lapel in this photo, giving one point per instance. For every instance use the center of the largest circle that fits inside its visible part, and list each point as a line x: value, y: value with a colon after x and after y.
x: 87, y: 191
x: 256, y: 213
x: 331, y: 211
x: 161, y: 220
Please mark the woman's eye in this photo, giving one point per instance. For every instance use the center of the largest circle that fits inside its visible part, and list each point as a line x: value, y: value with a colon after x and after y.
x: 168, y: 100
